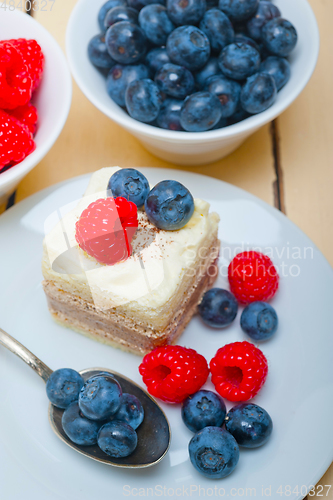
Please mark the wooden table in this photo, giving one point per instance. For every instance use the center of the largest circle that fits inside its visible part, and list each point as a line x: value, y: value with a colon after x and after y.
x: 288, y: 163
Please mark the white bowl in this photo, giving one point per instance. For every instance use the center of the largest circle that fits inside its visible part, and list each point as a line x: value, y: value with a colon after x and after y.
x: 187, y: 148
x: 52, y: 99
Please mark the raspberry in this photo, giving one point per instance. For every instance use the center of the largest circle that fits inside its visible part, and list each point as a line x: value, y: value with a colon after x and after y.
x: 33, y: 57
x: 27, y: 115
x: 172, y: 373
x: 15, y: 140
x: 252, y: 277
x: 239, y: 370
x: 105, y: 229
x: 15, y: 82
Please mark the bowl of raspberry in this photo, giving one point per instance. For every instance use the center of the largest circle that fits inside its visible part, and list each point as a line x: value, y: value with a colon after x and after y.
x: 192, y: 80
x: 35, y: 96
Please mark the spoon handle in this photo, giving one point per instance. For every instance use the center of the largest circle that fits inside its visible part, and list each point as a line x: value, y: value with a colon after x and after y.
x: 22, y: 352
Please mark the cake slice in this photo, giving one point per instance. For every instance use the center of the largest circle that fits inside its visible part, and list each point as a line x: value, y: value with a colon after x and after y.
x: 139, y: 303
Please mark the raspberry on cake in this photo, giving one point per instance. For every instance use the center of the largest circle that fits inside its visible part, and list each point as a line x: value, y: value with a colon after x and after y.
x: 146, y: 299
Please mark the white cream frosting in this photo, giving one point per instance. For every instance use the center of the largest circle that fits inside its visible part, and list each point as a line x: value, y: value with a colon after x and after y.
x: 149, y: 278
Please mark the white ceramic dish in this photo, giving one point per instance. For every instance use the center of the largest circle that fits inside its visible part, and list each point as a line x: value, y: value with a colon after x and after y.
x: 186, y: 148
x: 298, y: 393
x: 52, y: 98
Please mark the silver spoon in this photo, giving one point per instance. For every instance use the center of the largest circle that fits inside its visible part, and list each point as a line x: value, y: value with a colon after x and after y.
x: 153, y: 434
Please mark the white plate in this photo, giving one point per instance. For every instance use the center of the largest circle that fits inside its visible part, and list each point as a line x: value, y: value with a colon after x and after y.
x: 298, y: 393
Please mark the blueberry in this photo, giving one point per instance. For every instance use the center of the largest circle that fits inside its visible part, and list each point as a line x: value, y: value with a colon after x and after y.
x: 78, y: 428
x: 98, y: 54
x: 214, y: 452
x: 218, y: 28
x: 100, y: 397
x: 239, y: 61
x: 188, y: 46
x: 139, y: 4
x: 131, y: 184
x: 228, y: 92
x: 212, y: 68
x: 156, y: 58
x: 203, y: 409
x: 63, y: 387
x: 221, y: 124
x: 175, y: 81
x: 211, y: 4
x: 104, y: 10
x: 126, y: 42
x: 278, y: 68
x: 241, y: 38
x: 120, y: 77
x: 266, y: 11
x: 186, y: 11
x: 155, y: 23
x: 218, y: 308
x: 258, y: 93
x: 143, y: 100
x: 239, y: 10
x: 131, y: 411
x: 201, y: 111
x: 169, y: 205
x: 120, y: 13
x: 117, y: 439
x: 259, y: 320
x: 169, y: 115
x: 250, y: 425
x: 239, y: 115
x: 279, y: 37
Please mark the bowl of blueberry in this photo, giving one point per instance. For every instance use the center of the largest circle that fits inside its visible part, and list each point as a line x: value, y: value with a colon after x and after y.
x: 192, y: 79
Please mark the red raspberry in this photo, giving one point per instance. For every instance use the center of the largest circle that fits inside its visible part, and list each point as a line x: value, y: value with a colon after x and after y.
x: 27, y: 115
x: 106, y: 228
x: 15, y: 82
x: 239, y: 370
x: 33, y: 57
x: 252, y: 277
x: 16, y: 141
x: 172, y: 372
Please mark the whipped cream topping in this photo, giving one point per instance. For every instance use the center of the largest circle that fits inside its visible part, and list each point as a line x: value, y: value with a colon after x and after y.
x: 150, y: 277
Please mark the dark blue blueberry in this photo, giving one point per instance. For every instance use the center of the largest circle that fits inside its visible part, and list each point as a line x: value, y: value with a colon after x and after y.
x: 218, y: 28
x: 250, y: 425
x: 131, y: 411
x: 188, y: 46
x: 131, y: 184
x: 259, y: 321
x: 201, y: 111
x: 143, y: 100
x: 239, y: 115
x: 278, y: 68
x: 212, y: 68
x: 239, y: 10
x: 183, y: 12
x: 139, y: 4
x: 98, y: 54
x: 169, y: 115
x: 241, y: 38
x: 126, y: 42
x: 155, y: 23
x: 120, y: 13
x: 279, y: 37
x: 221, y: 124
x: 156, y: 58
x: 169, y: 205
x: 63, y: 387
x: 104, y: 10
x: 239, y: 61
x: 203, y: 409
x: 258, y: 93
x: 120, y: 77
x: 214, y: 452
x: 117, y: 439
x: 266, y: 11
x: 218, y: 308
x: 175, y: 81
x: 78, y: 428
x: 211, y: 4
x: 100, y: 397
x: 228, y: 92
